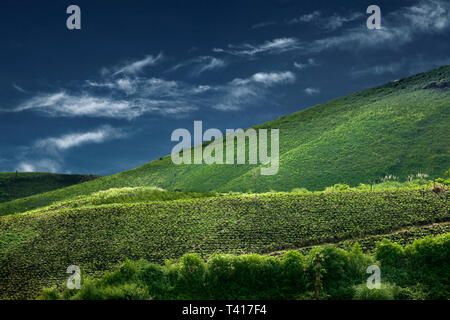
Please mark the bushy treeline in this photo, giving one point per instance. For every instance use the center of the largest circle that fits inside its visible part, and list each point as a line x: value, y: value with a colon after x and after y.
x: 414, y: 181
x: 418, y: 271
x: 128, y: 195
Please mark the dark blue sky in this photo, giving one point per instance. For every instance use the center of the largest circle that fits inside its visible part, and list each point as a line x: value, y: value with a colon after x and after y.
x: 106, y: 98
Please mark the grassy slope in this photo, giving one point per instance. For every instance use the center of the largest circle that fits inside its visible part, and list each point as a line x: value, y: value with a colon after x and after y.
x: 21, y: 185
x: 36, y: 248
x: 399, y: 128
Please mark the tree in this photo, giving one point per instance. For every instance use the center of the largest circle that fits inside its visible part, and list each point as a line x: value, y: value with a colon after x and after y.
x: 319, y: 270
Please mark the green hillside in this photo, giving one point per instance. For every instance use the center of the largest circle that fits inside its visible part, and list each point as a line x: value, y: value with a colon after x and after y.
x: 24, y: 184
x: 37, y: 247
x: 399, y: 128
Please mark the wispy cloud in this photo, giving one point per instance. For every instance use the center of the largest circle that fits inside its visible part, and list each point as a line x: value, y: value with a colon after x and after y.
x: 134, y: 67
x: 398, y: 28
x: 332, y: 22
x: 19, y: 88
x: 431, y: 15
x: 275, y: 46
x: 305, y: 17
x: 71, y: 105
x: 337, y: 21
x: 200, y: 65
x: 267, y: 78
x: 244, y: 92
x: 263, y: 24
x: 124, y: 95
x: 78, y: 139
x: 312, y: 91
x: 378, y: 69
x: 47, y: 154
x: 208, y: 63
x: 407, y: 66
x: 310, y: 63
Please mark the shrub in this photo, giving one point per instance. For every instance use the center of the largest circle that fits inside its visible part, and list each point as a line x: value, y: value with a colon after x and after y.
x: 389, y: 253
x: 155, y: 278
x: 191, y: 276
x: 220, y: 275
x: 259, y: 276
x: 49, y: 294
x: 358, y: 262
x: 387, y: 291
x: 338, y: 277
x: 293, y: 264
x: 338, y: 187
x: 300, y: 190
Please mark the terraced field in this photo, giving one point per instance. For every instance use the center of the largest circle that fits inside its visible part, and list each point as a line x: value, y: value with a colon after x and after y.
x: 37, y: 247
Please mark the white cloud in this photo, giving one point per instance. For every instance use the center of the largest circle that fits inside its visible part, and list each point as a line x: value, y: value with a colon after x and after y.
x: 72, y: 140
x: 275, y: 46
x: 226, y: 107
x: 312, y: 91
x: 244, y: 92
x: 398, y: 28
x: 310, y: 63
x: 127, y: 85
x: 326, y: 22
x: 121, y: 93
x: 66, y: 105
x: 200, y: 65
x: 274, y: 77
x: 208, y: 63
x: 431, y: 15
x: 305, y: 18
x: 137, y: 66
x: 336, y: 21
x: 378, y: 69
x: 18, y: 88
x: 154, y: 95
x: 43, y: 165
x: 266, y: 78
x: 407, y: 66
x: 263, y: 24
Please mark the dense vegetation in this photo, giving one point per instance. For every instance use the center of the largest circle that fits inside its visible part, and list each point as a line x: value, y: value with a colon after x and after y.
x: 418, y: 271
x: 23, y: 184
x: 37, y: 247
x: 405, y: 236
x: 397, y: 128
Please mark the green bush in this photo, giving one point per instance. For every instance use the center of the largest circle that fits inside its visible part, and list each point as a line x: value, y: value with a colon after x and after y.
x: 191, y: 276
x: 387, y: 291
x: 156, y: 279
x: 389, y: 253
x: 338, y: 187
x: 293, y: 275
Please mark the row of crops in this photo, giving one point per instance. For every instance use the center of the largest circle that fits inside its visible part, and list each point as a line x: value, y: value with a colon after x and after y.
x: 36, y: 248
x: 402, y: 237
